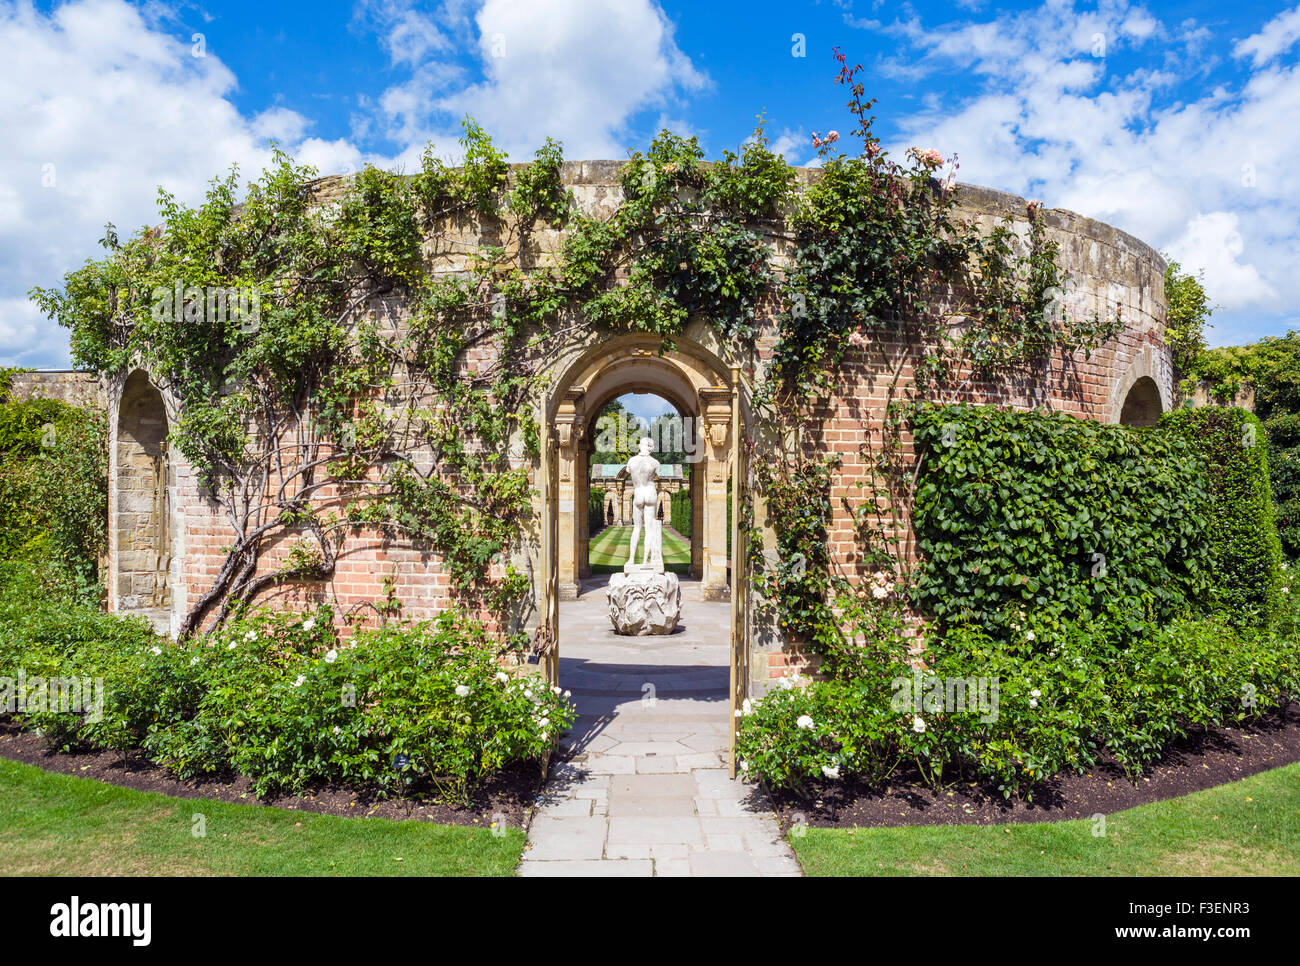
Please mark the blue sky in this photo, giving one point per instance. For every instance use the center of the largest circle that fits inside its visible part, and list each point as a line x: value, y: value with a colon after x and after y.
x: 1178, y: 122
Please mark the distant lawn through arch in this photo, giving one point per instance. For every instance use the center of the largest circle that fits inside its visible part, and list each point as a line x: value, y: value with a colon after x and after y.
x: 608, y: 550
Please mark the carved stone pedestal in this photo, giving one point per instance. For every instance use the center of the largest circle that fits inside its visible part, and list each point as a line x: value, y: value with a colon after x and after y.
x: 644, y: 602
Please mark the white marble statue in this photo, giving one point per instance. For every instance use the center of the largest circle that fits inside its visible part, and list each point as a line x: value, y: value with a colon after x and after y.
x: 644, y: 599
x: 643, y: 469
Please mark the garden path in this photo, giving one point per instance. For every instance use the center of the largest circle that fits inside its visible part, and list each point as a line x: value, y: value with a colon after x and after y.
x: 642, y: 787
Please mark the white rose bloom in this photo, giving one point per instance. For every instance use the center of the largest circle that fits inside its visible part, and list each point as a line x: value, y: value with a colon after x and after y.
x: 744, y: 766
x: 880, y: 593
x: 555, y: 689
x: 462, y: 691
x: 232, y: 645
x: 194, y: 661
x: 568, y: 693
x: 1029, y: 635
x: 805, y: 721
x: 831, y: 772
x: 309, y: 624
x: 502, y: 677
x: 543, y: 722
x: 1036, y: 693
x: 155, y: 650
x: 528, y: 694
x: 251, y: 636
x: 1033, y: 702
x: 338, y: 730
x: 918, y: 725
x: 298, y: 683
x: 331, y: 656
x: 737, y: 712
x: 746, y: 707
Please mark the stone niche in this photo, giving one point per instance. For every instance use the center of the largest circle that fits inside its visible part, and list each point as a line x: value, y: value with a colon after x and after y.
x: 142, y: 524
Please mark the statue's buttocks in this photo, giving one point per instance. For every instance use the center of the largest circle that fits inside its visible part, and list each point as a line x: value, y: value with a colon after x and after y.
x: 643, y: 470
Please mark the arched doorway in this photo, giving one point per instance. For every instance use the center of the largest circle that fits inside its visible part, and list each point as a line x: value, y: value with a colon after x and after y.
x: 142, y: 504
x: 1142, y: 406
x: 611, y: 438
x: 698, y: 388
x: 704, y: 666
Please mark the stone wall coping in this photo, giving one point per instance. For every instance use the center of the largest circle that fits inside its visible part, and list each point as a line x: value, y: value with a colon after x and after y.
x: 605, y: 173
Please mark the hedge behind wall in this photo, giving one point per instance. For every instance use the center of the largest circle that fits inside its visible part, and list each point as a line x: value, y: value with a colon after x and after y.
x: 1037, y: 518
x: 680, y: 512
x: 1245, y: 552
x: 595, y: 510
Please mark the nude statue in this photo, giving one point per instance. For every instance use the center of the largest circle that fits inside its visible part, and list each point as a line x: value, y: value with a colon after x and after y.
x: 644, y: 472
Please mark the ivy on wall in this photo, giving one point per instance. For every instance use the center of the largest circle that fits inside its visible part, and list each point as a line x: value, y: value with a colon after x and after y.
x: 1035, y: 519
x: 1244, y: 550
x: 885, y: 268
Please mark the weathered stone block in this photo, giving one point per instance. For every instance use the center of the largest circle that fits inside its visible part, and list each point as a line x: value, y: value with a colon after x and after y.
x: 644, y: 602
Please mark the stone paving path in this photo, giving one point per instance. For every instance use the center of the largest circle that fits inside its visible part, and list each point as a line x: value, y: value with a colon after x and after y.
x: 643, y: 787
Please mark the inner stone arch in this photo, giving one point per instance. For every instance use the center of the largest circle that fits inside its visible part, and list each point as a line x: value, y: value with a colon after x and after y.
x: 677, y: 446
x: 692, y: 382
x: 142, y: 505
x: 1142, y: 406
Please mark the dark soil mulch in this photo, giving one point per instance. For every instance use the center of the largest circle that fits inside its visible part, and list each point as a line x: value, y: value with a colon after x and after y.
x: 510, y: 794
x: 1199, y: 761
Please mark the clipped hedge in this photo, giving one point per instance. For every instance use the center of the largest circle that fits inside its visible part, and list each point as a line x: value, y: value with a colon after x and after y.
x: 595, y: 510
x: 1245, y: 552
x: 680, y: 512
x: 1042, y: 518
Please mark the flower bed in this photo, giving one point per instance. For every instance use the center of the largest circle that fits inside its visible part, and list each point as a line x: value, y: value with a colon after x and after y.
x: 410, y: 709
x: 1015, y: 715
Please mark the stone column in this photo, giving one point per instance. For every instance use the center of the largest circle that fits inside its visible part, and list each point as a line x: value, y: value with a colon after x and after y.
x: 569, y: 431
x: 715, y: 409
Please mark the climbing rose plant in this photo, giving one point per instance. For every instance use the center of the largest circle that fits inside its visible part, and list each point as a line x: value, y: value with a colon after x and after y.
x: 422, y: 430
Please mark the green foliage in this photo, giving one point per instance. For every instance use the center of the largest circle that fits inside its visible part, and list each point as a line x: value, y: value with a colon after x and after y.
x: 595, y: 510
x: 1272, y: 368
x: 404, y: 709
x: 1059, y: 517
x: 680, y: 512
x: 53, y: 485
x: 1187, y: 311
x: 1245, y: 553
x: 1065, y: 703
x: 797, y: 580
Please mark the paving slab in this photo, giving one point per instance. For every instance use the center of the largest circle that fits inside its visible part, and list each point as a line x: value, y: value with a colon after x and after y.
x: 642, y: 788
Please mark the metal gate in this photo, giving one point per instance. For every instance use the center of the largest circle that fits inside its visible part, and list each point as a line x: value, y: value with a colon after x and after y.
x: 739, y: 576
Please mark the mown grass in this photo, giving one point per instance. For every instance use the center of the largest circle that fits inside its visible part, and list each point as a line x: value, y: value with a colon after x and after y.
x: 63, y: 825
x: 608, y: 550
x: 1250, y: 827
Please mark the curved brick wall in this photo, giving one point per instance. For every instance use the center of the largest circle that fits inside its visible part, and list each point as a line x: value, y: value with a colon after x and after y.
x: 1112, y: 270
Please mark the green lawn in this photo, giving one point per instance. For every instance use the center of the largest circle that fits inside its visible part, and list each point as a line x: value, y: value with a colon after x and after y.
x: 608, y: 550
x: 1250, y: 827
x: 61, y: 825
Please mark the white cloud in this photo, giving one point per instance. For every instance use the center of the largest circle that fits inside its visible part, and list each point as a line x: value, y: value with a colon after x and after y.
x: 100, y: 102
x: 1278, y: 35
x: 100, y: 106
x: 1206, y: 175
x: 575, y: 70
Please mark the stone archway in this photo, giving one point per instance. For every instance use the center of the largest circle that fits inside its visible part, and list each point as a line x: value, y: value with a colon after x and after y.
x: 142, y: 505
x: 1142, y: 405
x: 698, y: 386
x: 1143, y: 392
